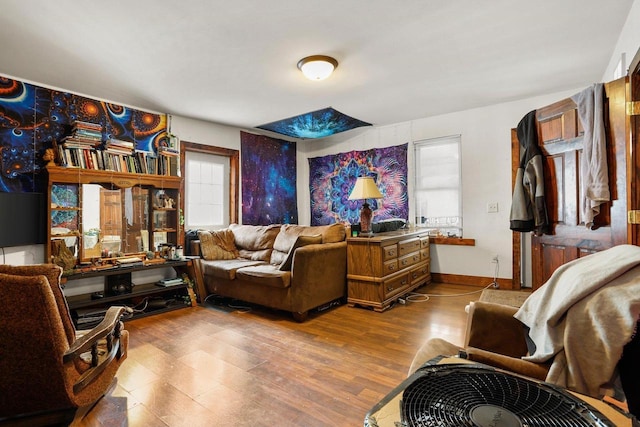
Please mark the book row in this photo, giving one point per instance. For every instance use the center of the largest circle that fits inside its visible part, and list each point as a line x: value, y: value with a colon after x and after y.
x: 137, y: 162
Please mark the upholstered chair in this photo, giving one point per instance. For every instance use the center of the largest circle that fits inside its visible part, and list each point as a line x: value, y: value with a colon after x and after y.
x: 495, y: 338
x: 48, y: 370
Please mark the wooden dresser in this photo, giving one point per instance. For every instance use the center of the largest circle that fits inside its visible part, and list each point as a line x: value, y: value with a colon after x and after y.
x: 386, y: 266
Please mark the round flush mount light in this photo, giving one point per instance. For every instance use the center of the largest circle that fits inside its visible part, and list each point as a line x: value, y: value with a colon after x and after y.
x: 317, y: 67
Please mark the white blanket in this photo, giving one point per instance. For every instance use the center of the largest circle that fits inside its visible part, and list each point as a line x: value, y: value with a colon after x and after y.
x: 584, y: 315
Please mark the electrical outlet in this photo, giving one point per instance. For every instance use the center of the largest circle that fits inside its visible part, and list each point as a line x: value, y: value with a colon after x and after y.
x: 492, y: 207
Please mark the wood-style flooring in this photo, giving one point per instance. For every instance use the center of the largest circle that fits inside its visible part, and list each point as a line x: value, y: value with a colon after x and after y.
x: 214, y: 366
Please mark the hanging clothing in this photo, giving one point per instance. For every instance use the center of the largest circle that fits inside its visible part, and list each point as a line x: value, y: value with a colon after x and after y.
x: 528, y: 207
x: 594, y: 175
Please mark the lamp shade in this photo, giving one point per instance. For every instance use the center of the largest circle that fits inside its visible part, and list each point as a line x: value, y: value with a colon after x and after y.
x: 317, y: 67
x: 365, y: 188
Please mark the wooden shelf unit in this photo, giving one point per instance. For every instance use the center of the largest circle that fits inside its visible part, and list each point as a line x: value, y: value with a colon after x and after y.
x: 180, y: 295
x: 146, y: 203
x: 385, y: 267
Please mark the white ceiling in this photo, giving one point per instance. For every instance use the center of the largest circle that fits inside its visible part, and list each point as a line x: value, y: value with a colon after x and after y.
x: 234, y: 61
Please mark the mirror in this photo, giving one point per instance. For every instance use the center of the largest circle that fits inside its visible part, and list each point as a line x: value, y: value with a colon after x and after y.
x: 115, y: 222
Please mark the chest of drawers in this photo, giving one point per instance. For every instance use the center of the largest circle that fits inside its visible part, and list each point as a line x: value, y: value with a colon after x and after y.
x: 386, y: 266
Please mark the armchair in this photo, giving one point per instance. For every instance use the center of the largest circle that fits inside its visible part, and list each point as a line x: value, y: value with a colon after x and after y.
x: 495, y: 338
x: 48, y: 370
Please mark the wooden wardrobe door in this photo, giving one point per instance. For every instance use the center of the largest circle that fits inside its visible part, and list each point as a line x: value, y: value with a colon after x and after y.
x: 560, y: 137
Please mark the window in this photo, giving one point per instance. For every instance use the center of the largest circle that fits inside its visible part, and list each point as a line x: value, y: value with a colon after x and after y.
x: 210, y: 177
x: 438, y: 191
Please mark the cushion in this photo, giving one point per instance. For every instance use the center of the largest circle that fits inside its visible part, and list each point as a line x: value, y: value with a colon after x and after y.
x: 300, y: 241
x: 266, y: 275
x: 217, y: 244
x: 254, y: 237
x: 284, y: 241
x: 227, y: 268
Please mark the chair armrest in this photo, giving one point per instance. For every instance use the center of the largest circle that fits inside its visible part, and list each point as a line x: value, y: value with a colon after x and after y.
x: 110, y: 325
x: 512, y: 364
x: 107, y: 331
x: 492, y: 327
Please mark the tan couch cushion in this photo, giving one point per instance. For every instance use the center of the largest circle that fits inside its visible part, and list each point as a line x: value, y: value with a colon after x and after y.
x: 300, y: 241
x: 226, y: 269
x: 216, y: 245
x: 265, y: 274
x: 255, y: 242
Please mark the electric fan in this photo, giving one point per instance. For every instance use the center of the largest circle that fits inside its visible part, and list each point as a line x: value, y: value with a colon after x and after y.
x: 478, y: 396
x: 455, y: 394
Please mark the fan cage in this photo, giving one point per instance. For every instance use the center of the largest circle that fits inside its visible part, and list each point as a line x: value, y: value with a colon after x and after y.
x: 446, y: 395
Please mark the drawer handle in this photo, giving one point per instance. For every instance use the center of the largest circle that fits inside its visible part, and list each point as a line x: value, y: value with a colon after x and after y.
x: 404, y: 282
x: 404, y: 262
x: 389, y: 288
x: 392, y: 267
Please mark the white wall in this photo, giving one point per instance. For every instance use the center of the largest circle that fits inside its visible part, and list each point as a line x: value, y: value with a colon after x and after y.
x: 628, y: 43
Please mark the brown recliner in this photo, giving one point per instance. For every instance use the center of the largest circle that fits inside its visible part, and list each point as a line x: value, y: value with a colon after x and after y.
x: 494, y: 337
x: 48, y: 370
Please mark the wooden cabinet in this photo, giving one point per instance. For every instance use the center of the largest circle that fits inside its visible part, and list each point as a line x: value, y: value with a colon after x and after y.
x: 98, y: 213
x: 385, y: 267
x: 105, y: 223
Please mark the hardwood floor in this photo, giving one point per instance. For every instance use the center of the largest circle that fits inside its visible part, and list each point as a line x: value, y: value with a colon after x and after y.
x: 207, y: 366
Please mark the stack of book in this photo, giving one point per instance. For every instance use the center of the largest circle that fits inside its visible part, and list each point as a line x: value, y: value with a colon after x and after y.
x: 170, y: 282
x: 78, y: 148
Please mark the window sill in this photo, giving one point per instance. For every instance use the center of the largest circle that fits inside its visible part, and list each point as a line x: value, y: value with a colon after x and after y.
x: 452, y: 241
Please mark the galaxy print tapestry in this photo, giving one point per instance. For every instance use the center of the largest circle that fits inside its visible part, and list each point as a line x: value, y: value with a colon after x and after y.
x: 268, y: 180
x: 331, y: 179
x: 32, y: 117
x: 316, y: 124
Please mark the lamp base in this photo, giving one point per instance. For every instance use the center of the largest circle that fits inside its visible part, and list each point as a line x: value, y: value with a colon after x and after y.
x: 365, y: 219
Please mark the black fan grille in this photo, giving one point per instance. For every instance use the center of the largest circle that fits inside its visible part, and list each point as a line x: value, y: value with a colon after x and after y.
x: 445, y: 395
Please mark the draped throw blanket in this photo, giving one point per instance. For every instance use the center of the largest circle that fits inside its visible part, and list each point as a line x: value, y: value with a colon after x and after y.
x: 593, y: 171
x: 583, y: 316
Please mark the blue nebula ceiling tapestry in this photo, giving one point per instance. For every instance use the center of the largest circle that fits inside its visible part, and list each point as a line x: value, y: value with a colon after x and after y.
x: 332, y: 177
x: 33, y: 117
x: 316, y: 124
x: 268, y: 180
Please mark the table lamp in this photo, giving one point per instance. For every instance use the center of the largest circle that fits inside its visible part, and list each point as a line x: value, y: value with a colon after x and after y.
x: 364, y: 189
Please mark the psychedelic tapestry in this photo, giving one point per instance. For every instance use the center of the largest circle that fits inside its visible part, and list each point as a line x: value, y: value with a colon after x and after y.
x: 32, y: 117
x: 316, y: 124
x: 331, y: 179
x: 268, y: 180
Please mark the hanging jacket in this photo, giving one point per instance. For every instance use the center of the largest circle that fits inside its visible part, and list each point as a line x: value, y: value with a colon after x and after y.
x: 528, y: 207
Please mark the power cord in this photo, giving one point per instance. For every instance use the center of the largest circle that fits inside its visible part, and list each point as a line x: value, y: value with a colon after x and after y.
x: 495, y: 274
x: 420, y: 297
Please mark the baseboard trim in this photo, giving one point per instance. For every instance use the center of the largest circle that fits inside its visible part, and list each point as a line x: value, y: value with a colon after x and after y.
x: 477, y: 281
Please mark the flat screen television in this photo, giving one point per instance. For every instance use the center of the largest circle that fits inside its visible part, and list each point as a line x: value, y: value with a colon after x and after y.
x: 22, y: 219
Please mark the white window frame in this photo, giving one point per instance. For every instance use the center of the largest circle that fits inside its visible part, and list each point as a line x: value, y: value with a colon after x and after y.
x: 431, y: 208
x: 206, y: 191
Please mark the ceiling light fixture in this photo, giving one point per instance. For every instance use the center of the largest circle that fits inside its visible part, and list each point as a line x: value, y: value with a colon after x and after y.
x: 317, y: 67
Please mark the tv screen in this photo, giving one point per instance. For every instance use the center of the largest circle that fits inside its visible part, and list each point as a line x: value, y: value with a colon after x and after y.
x: 22, y: 219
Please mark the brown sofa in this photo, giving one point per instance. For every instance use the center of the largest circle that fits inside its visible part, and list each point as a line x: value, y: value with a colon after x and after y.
x: 286, y: 267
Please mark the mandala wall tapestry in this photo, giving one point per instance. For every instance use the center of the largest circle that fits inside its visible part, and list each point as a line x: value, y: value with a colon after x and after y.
x: 331, y: 179
x: 32, y: 117
x: 268, y: 180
